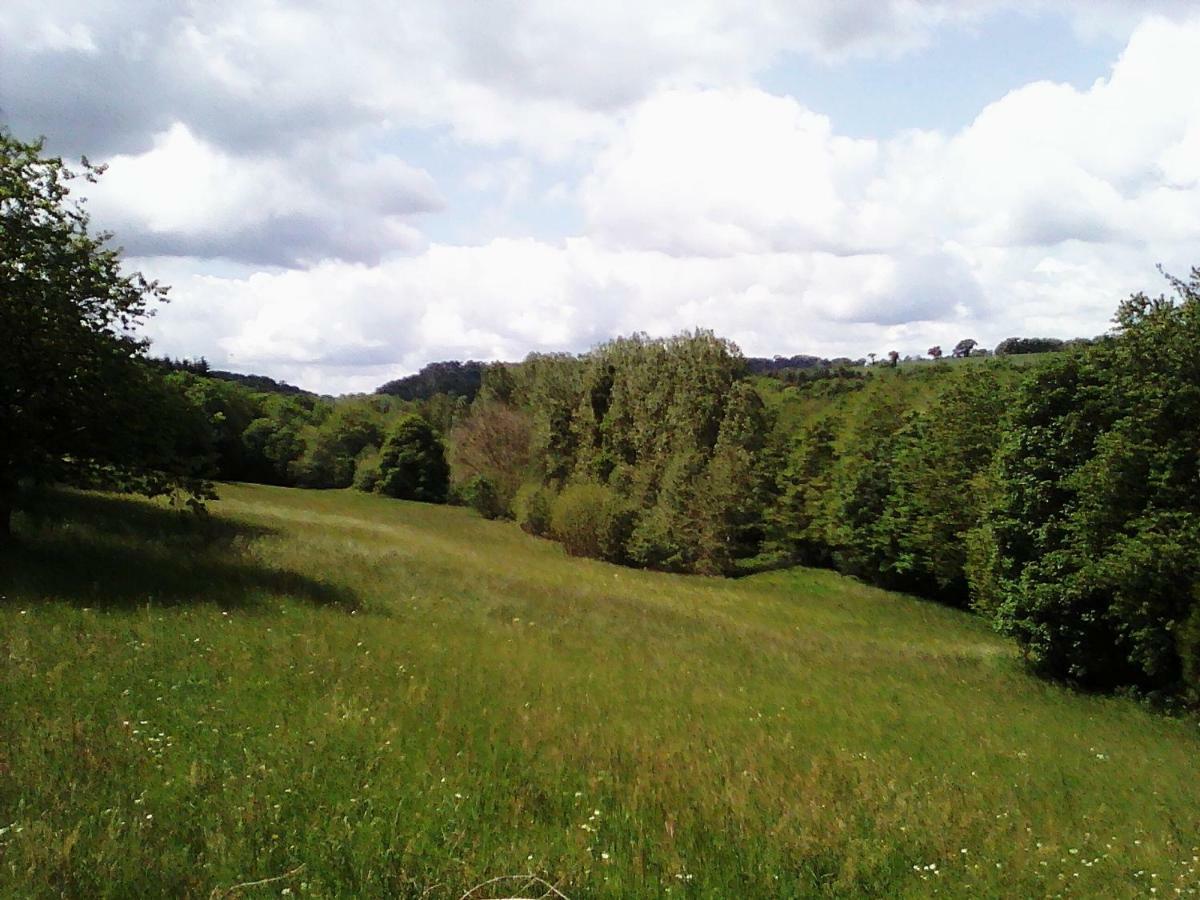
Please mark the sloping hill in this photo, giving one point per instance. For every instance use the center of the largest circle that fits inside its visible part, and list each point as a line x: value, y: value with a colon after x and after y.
x: 376, y: 698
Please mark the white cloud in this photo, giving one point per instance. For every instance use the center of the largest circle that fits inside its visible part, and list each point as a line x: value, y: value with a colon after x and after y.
x: 723, y: 172
x: 544, y: 76
x: 185, y: 197
x: 726, y: 172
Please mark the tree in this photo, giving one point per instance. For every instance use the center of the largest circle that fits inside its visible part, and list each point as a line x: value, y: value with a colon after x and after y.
x: 937, y: 495
x: 872, y: 357
x: 798, y: 519
x: 493, y: 442
x: 71, y: 376
x: 333, y: 447
x: 935, y: 352
x: 860, y: 484
x: 1087, y: 554
x: 964, y: 347
x: 893, y: 358
x: 1014, y: 346
x: 413, y: 464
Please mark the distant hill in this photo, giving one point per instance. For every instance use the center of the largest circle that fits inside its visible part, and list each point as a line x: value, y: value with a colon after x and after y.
x: 460, y: 379
x: 260, y: 383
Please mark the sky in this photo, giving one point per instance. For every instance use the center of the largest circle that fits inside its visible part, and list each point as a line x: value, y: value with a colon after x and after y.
x: 340, y: 191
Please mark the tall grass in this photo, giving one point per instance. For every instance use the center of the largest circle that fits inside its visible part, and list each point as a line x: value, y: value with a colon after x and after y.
x: 375, y: 698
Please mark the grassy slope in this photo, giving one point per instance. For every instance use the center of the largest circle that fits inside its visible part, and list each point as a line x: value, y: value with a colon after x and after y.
x: 408, y: 700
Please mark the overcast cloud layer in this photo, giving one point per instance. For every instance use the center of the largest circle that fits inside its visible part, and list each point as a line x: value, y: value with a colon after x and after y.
x: 293, y: 171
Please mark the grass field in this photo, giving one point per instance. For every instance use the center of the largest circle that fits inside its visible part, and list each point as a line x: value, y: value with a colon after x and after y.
x: 375, y: 698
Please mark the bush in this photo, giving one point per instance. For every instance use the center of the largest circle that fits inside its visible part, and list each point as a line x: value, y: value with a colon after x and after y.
x: 480, y: 494
x: 366, y: 470
x: 591, y: 520
x: 532, y: 508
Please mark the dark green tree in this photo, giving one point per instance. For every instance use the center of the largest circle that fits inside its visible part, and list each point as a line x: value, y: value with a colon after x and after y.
x: 861, y: 483
x: 1090, y: 551
x: 413, y: 464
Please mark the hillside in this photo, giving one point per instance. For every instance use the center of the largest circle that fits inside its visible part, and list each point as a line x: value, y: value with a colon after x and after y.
x: 382, y: 698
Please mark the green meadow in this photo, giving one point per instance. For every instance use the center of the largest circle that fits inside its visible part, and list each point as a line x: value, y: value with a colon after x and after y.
x: 336, y: 694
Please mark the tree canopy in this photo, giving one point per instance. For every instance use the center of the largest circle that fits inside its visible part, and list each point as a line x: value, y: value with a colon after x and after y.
x: 74, y: 391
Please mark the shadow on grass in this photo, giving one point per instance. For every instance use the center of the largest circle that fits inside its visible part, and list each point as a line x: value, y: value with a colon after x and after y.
x: 101, y: 550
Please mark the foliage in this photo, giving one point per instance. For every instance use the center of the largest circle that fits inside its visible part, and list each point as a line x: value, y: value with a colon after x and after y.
x: 492, y: 442
x: 273, y: 442
x: 1014, y: 346
x: 800, y: 517
x: 460, y: 379
x: 481, y: 495
x: 937, y: 489
x: 72, y: 383
x: 1089, y: 556
x: 591, y: 520
x: 964, y: 348
x: 532, y: 507
x: 260, y: 384
x: 333, y: 446
x: 758, y: 365
x: 366, y: 469
x: 413, y: 464
x: 664, y: 424
x: 861, y: 482
x: 549, y: 389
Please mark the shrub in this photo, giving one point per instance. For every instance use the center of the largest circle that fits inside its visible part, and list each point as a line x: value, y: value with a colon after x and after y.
x: 480, y: 494
x: 532, y: 508
x: 366, y: 470
x: 591, y: 520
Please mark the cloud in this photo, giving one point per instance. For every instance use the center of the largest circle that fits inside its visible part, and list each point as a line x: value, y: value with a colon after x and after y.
x: 542, y: 75
x: 723, y: 172
x: 733, y: 171
x: 185, y: 197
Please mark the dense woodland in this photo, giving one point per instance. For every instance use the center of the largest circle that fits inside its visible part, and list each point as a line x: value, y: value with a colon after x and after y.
x: 1059, y: 498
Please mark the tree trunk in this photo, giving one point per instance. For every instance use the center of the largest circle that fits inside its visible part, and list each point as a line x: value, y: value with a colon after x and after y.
x: 6, y: 511
x: 8, y: 503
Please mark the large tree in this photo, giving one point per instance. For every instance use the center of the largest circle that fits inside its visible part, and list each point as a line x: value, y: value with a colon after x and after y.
x: 413, y: 463
x: 72, y: 388
x: 1089, y: 553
